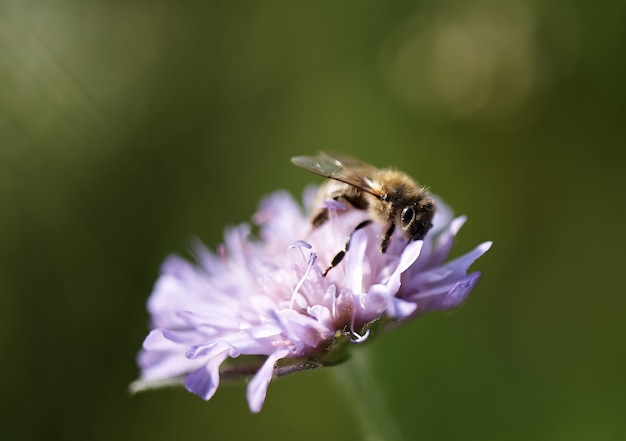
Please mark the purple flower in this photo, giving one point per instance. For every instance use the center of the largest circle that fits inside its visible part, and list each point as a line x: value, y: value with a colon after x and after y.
x: 260, y: 306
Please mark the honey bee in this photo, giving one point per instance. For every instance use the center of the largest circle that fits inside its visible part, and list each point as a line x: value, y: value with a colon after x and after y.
x: 390, y: 197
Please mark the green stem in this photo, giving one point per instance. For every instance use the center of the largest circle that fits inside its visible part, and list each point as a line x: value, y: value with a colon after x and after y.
x: 364, y: 396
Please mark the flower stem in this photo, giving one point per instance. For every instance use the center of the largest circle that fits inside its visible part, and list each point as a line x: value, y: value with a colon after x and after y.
x: 376, y: 419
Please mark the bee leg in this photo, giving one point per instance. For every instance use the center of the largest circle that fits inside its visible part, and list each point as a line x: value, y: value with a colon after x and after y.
x: 341, y: 254
x: 322, y: 216
x: 385, y: 243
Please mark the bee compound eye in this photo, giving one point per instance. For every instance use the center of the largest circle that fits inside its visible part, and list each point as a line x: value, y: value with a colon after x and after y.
x: 408, y: 214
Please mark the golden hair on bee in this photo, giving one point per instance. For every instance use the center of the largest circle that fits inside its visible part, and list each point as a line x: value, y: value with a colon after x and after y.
x: 390, y: 197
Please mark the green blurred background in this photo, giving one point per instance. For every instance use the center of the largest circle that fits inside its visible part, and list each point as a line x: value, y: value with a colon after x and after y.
x: 128, y: 128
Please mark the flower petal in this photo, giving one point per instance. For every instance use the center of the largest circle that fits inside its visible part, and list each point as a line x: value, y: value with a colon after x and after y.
x: 461, y: 264
x: 409, y: 256
x: 257, y: 388
x: 163, y: 365
x: 444, y: 241
x: 445, y: 296
x: 204, y: 381
x: 439, y: 274
x: 279, y: 216
x: 459, y: 291
x: 354, y: 262
x: 442, y: 218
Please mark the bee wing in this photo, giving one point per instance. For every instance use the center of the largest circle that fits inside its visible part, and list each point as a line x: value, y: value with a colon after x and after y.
x: 341, y: 167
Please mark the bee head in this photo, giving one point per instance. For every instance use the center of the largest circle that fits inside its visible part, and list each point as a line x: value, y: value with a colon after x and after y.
x: 416, y: 219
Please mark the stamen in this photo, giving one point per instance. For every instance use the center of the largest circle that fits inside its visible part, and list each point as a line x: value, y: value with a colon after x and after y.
x: 358, y: 337
x: 300, y: 243
x: 309, y: 267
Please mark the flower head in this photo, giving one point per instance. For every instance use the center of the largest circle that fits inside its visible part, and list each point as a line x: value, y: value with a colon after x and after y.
x: 261, y: 307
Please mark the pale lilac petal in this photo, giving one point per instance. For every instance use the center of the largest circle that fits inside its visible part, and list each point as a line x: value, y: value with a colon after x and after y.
x: 409, y: 256
x: 461, y: 264
x: 165, y: 339
x: 455, y: 268
x: 279, y: 216
x: 179, y: 282
x: 444, y: 241
x: 170, y: 364
x: 301, y: 328
x: 205, y: 380
x: 320, y: 313
x: 400, y: 309
x: 207, y: 350
x: 257, y: 388
x: 442, y: 218
x: 211, y: 321
x: 209, y: 261
x: 377, y: 300
x: 459, y: 292
x: 446, y: 296
x: 265, y: 331
x: 253, y: 341
x: 354, y: 262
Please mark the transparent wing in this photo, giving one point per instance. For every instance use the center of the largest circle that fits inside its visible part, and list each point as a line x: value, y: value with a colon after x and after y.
x: 341, y: 167
x: 350, y: 162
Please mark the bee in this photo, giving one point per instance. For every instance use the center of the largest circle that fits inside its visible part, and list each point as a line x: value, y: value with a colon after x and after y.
x: 390, y: 197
